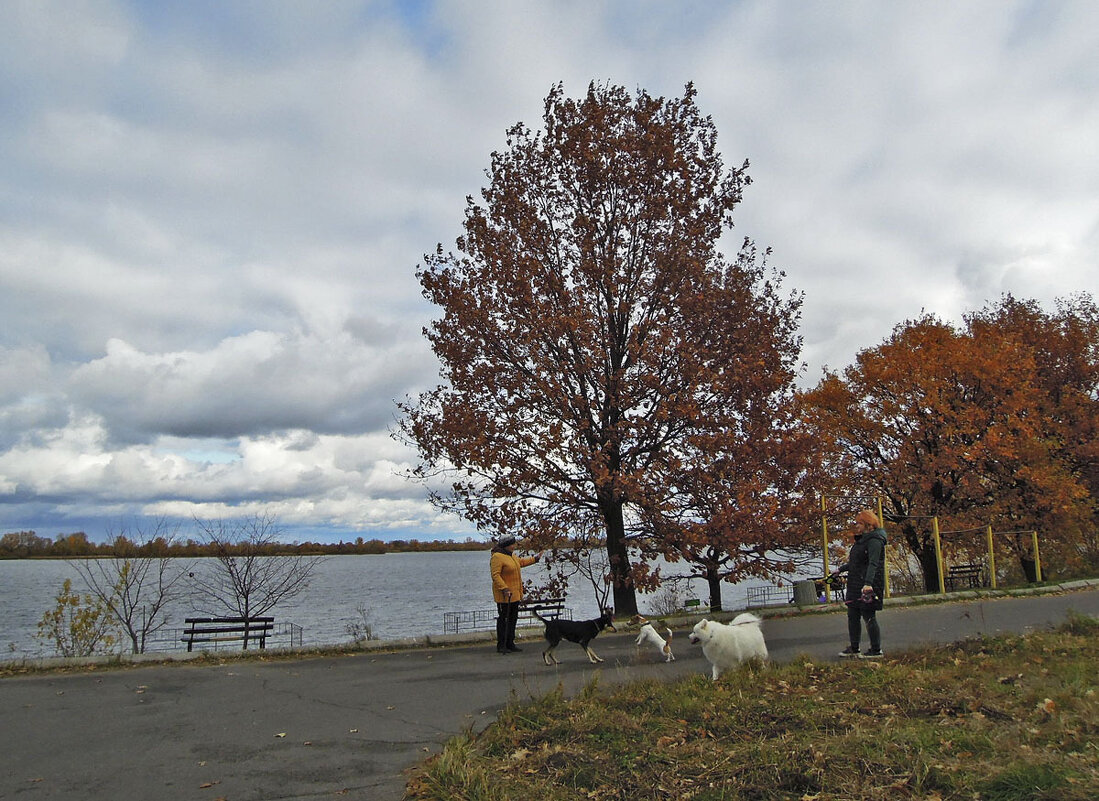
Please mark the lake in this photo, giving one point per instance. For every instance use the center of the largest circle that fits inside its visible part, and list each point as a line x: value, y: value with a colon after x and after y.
x: 404, y: 595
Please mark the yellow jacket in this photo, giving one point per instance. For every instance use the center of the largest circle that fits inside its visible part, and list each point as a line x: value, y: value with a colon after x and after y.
x: 505, y: 569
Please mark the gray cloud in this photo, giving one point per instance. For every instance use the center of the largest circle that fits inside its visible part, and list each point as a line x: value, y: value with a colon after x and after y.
x: 211, y: 215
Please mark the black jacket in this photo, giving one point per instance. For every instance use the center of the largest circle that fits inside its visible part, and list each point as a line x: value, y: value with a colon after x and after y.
x: 866, y: 565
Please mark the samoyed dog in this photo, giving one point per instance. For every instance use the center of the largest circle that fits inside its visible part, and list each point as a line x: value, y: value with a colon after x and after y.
x: 726, y: 645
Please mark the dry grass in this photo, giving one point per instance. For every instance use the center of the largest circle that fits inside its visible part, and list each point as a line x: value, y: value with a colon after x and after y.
x: 1014, y: 717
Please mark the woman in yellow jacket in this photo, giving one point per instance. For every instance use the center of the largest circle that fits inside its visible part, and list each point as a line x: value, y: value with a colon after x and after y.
x: 507, y: 590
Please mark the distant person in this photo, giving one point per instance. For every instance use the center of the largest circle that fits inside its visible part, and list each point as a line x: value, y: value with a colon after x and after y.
x: 865, y: 585
x: 507, y: 590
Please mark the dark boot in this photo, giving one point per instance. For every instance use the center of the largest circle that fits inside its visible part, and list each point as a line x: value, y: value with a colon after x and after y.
x: 501, y: 635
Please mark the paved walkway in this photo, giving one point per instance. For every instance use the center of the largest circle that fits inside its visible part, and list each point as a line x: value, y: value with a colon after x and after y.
x: 350, y: 726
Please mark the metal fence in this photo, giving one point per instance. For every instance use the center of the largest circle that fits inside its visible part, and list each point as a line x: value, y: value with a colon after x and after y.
x: 484, y: 619
x: 772, y: 595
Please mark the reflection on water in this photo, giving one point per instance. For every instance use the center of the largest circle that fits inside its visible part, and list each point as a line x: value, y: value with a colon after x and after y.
x: 404, y: 595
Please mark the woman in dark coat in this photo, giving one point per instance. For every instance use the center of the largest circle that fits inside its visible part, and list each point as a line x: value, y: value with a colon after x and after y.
x: 865, y: 584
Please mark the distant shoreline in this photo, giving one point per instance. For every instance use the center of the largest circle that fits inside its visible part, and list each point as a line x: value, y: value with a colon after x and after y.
x: 65, y: 548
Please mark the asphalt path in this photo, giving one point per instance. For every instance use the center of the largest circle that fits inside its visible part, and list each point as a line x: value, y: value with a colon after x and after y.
x: 352, y: 726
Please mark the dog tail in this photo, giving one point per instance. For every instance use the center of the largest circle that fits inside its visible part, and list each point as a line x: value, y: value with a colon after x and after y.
x: 669, y: 630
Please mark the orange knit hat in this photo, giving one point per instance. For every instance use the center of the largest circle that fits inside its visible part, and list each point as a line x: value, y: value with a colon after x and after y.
x: 868, y: 517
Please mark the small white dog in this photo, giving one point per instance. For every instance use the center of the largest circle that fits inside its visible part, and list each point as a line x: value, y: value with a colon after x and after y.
x: 648, y: 634
x: 727, y: 645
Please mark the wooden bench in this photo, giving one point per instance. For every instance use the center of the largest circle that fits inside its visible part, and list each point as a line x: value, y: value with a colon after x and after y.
x: 546, y: 607
x: 971, y: 576
x: 228, y: 629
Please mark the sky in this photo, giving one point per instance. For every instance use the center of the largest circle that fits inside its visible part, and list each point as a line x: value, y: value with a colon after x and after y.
x: 212, y: 213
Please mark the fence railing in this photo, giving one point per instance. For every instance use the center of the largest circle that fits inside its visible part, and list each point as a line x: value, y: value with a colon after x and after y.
x: 485, y: 619
x: 769, y: 595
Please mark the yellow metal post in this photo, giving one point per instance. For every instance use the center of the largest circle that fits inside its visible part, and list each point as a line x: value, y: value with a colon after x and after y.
x: 884, y: 552
x: 824, y: 528
x: 938, y: 554
x: 1037, y: 558
x: 991, y: 557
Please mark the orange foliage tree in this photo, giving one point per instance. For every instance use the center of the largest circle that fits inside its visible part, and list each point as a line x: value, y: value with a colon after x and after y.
x: 591, y: 331
x: 1065, y: 348
x: 959, y: 423
x: 746, y: 503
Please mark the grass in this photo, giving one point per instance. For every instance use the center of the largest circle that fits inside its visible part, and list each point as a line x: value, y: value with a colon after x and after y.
x: 998, y: 719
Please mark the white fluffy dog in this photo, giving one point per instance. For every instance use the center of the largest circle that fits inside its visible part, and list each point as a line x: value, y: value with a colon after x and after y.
x: 648, y: 634
x: 727, y: 645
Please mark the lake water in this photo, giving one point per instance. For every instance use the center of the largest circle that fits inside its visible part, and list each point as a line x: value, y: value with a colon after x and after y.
x: 404, y: 595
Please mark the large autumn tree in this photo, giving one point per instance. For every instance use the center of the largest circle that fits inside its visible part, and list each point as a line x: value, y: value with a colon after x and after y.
x: 961, y: 423
x: 591, y: 330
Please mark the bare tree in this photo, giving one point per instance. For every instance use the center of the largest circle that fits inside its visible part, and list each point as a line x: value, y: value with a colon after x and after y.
x: 583, y: 555
x: 250, y: 576
x: 137, y: 586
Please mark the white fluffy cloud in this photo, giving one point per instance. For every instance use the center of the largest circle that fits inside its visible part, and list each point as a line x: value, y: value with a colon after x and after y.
x: 211, y: 214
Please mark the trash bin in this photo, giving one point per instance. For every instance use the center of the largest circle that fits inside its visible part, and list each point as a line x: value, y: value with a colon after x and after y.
x: 805, y: 593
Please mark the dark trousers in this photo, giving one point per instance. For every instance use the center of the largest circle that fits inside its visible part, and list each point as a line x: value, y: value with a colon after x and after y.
x: 507, y: 614
x: 856, y: 616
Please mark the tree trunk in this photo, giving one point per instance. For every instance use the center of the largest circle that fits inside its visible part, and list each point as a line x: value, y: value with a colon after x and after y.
x: 924, y: 549
x: 625, y: 598
x: 930, y: 569
x: 714, y: 582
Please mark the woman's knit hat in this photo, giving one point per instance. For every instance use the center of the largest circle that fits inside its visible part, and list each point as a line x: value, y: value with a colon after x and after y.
x: 505, y: 542
x: 868, y: 517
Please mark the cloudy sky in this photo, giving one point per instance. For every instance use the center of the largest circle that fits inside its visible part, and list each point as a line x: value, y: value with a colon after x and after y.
x: 211, y: 213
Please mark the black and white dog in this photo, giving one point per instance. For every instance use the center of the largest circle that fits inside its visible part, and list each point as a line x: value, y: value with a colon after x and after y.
x: 581, y: 632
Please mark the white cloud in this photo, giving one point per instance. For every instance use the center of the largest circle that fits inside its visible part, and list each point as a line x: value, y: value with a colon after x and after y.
x: 210, y: 218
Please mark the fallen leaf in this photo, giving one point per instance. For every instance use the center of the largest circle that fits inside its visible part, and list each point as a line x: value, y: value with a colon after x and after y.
x: 1048, y: 706
x: 281, y: 734
x: 208, y: 785
x: 354, y: 731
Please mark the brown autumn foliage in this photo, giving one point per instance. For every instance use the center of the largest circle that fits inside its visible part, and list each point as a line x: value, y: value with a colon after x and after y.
x: 591, y: 332
x: 745, y: 504
x: 992, y: 423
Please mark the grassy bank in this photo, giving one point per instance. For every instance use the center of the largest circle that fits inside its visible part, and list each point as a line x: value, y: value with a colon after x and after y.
x: 998, y: 719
